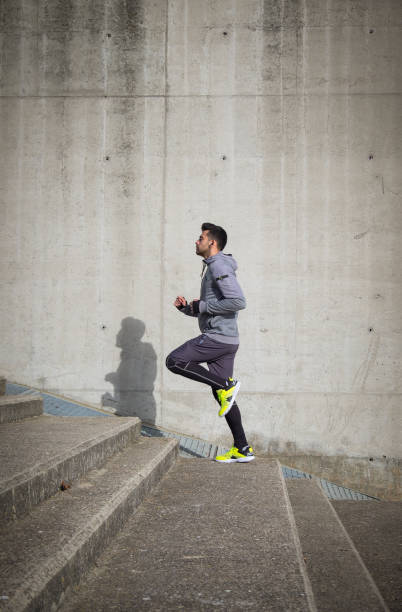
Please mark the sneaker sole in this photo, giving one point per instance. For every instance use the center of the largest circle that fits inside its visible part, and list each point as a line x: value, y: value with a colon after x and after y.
x: 232, y: 399
x: 240, y: 460
x: 245, y: 459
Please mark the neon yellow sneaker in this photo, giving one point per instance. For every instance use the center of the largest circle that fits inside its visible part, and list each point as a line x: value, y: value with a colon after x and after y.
x: 234, y: 455
x: 227, y: 396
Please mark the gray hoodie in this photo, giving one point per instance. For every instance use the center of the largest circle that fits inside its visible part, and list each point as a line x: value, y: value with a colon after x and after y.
x: 220, y: 299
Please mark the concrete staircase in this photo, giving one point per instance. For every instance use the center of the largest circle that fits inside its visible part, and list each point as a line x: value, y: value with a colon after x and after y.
x: 97, y: 517
x: 67, y: 485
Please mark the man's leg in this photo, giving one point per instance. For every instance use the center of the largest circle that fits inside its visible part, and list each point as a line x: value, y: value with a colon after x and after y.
x: 219, y: 357
x: 186, y: 359
x: 223, y: 367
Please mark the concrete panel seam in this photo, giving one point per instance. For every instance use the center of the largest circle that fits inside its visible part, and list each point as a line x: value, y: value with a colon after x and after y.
x: 199, y: 95
x: 163, y: 211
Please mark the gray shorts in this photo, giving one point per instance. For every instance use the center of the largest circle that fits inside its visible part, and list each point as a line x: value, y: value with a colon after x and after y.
x: 218, y: 356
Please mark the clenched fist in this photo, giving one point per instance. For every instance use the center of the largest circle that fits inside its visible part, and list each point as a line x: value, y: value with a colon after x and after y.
x: 180, y: 302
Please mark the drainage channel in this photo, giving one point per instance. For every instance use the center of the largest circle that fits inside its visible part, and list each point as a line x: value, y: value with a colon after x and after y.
x: 188, y: 447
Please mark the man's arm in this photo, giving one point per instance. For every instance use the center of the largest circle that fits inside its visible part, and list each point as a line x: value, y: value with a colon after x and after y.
x: 184, y: 307
x: 232, y: 298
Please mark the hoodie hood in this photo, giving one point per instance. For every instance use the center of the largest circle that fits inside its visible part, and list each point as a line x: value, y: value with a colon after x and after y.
x: 226, y: 257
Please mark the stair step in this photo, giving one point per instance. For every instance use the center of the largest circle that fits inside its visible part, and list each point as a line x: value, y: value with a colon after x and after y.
x: 210, y: 537
x: 338, y: 576
x: 48, y: 551
x: 37, y: 454
x: 376, y: 531
x: 14, y: 408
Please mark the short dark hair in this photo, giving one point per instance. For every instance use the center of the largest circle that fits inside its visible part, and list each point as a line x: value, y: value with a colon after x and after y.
x: 215, y: 232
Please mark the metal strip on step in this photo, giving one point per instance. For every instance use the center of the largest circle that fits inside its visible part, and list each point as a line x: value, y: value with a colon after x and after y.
x: 332, y: 490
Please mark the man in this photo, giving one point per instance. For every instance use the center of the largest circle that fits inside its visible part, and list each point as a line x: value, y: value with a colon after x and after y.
x: 220, y: 300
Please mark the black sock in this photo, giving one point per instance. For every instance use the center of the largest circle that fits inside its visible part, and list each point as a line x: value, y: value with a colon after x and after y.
x: 233, y: 419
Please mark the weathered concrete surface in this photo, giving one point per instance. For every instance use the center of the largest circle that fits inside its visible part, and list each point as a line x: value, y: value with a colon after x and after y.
x: 375, y: 529
x: 376, y: 476
x: 210, y: 536
x: 38, y: 454
x: 127, y: 124
x: 48, y: 551
x: 315, y: 424
x: 339, y: 579
x: 14, y: 408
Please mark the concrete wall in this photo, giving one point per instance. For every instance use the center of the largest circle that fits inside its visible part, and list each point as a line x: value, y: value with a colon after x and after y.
x: 125, y: 125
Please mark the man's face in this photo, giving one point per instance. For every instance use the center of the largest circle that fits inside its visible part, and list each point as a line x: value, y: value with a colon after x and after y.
x: 202, y: 244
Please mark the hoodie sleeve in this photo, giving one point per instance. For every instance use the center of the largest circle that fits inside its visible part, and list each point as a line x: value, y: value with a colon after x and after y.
x: 232, y: 298
x: 187, y: 311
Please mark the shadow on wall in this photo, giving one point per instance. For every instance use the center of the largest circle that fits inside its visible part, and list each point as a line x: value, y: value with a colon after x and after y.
x: 134, y: 379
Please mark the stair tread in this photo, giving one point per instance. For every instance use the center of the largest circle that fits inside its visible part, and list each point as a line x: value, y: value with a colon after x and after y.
x: 34, y: 548
x: 14, y: 408
x: 210, y: 536
x: 337, y: 574
x: 376, y: 530
x: 17, y: 399
x: 43, y: 440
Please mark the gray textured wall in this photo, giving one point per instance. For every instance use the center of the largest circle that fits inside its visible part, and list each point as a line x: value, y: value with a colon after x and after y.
x: 124, y: 125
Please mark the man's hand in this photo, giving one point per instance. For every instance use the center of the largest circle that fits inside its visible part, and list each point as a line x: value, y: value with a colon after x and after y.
x: 180, y: 302
x: 195, y: 307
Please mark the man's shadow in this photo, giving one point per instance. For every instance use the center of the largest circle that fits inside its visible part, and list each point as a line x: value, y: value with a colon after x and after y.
x: 134, y: 379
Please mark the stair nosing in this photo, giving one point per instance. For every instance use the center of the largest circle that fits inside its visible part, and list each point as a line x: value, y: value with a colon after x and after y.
x: 64, y: 461
x: 297, y: 543
x: 44, y: 467
x: 357, y: 555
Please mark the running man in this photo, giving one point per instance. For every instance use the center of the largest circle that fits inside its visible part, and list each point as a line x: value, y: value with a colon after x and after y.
x: 220, y: 300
